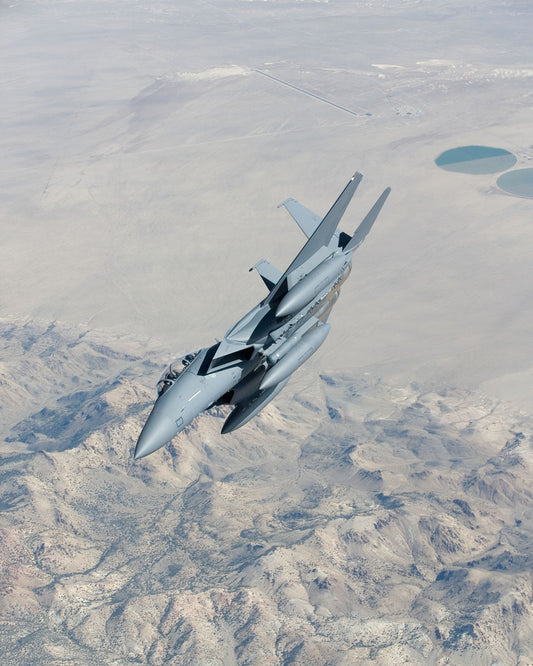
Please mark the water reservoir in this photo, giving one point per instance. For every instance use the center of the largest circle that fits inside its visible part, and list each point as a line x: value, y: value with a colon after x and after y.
x: 476, y: 159
x: 518, y: 182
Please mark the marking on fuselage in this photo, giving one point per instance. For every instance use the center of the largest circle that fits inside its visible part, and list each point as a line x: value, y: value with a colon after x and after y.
x: 194, y: 395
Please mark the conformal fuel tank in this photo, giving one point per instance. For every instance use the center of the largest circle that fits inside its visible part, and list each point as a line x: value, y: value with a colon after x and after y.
x: 294, y: 358
x: 310, y: 286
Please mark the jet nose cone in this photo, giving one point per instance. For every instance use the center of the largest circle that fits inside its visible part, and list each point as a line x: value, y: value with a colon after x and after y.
x: 157, y: 432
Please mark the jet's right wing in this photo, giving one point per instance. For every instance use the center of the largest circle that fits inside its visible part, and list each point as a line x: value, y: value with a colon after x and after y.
x: 304, y: 218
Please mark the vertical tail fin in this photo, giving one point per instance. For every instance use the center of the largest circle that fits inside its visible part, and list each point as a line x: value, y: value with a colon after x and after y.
x: 329, y: 224
x: 362, y: 230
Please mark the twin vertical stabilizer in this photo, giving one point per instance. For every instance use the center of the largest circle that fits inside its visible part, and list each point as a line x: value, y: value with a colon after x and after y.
x: 320, y: 239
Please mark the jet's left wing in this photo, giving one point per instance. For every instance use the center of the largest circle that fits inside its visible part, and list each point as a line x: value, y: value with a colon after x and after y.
x: 304, y: 218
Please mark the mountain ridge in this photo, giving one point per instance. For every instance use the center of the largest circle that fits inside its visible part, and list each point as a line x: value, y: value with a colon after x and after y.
x: 354, y: 520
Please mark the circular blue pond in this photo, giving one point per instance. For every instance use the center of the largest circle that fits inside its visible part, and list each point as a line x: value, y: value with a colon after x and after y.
x: 476, y: 159
x: 518, y: 182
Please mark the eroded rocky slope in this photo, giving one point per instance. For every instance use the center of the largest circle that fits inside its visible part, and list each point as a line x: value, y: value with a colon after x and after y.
x: 352, y: 522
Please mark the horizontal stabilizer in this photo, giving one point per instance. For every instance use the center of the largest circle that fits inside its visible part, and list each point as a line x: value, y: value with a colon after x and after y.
x: 362, y: 230
x: 270, y: 274
x: 304, y: 218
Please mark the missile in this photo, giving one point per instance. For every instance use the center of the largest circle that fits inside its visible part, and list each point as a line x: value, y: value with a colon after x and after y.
x: 245, y: 411
x: 310, y: 286
x: 294, y: 358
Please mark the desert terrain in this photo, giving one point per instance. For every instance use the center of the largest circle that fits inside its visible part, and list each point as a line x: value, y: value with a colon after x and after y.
x: 379, y: 511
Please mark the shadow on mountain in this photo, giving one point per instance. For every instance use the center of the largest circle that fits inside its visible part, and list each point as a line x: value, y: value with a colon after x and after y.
x: 72, y: 419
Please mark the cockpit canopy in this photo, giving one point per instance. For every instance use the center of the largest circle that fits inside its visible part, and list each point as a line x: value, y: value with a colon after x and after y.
x: 173, y: 371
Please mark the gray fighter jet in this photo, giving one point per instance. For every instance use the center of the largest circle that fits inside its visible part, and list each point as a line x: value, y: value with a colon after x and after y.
x: 254, y: 361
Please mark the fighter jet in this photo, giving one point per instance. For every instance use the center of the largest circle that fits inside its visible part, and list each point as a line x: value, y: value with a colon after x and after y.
x: 257, y: 356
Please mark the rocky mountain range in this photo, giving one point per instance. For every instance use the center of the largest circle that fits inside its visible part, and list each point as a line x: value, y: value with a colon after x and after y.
x: 354, y: 521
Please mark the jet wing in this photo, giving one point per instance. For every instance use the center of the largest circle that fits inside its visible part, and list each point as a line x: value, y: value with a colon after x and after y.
x: 304, y: 218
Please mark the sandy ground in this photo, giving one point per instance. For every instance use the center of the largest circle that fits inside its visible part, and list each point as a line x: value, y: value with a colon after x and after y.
x: 353, y: 522
x: 142, y: 159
